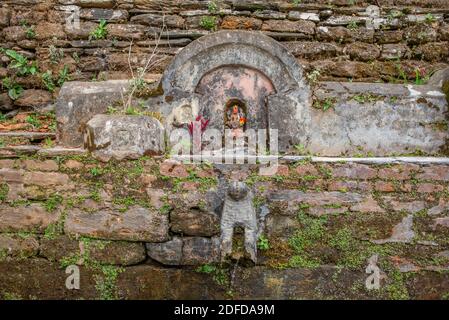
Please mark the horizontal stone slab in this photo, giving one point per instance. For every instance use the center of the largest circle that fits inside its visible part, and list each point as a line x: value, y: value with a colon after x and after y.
x: 316, y: 198
x: 16, y: 246
x: 42, y: 279
x: 31, y: 218
x: 32, y: 136
x: 186, y: 251
x: 136, y: 224
x: 105, y: 252
x: 120, y: 137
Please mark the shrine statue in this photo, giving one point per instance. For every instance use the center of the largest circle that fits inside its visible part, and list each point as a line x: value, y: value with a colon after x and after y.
x: 236, y: 120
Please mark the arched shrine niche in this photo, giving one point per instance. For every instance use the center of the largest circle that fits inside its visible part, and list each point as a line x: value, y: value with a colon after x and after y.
x: 243, y: 75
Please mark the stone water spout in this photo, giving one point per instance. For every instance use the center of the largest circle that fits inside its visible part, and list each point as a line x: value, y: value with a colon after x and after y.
x: 239, y: 211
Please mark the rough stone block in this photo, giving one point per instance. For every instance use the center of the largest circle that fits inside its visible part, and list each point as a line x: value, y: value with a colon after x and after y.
x: 155, y: 20
x: 16, y: 246
x: 31, y: 218
x: 354, y: 171
x: 45, y: 179
x: 368, y: 205
x: 136, y: 224
x: 46, y: 165
x: 123, y: 137
x: 195, y: 223
x: 78, y: 102
x: 5, y: 16
x: 235, y: 22
x: 185, y: 251
x: 439, y: 173
x: 302, y: 26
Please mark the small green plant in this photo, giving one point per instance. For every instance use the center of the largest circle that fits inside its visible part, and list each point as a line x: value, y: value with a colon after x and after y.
x: 14, y: 89
x: 401, y: 73
x: 47, y: 80
x: 11, y: 296
x: 53, y: 202
x: 100, y: 32
x: 96, y: 171
x: 4, y: 189
x: 30, y: 33
x: 313, y: 76
x: 219, y: 274
x: 209, y: 23
x: 421, y: 77
x: 33, y: 120
x: 132, y: 111
x: 56, y: 55
x: 21, y: 63
x: 296, y: 2
x: 76, y: 57
x: 53, y: 230
x: 63, y: 76
x: 207, y: 268
x: 212, y: 7
x: 365, y: 97
x: 112, y: 110
x: 106, y: 284
x: 353, y: 25
x: 48, y: 143
x: 263, y: 243
x: 165, y: 209
x: 325, y: 104
x: 430, y: 18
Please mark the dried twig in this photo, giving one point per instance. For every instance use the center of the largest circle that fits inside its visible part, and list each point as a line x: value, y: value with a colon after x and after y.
x: 150, y: 63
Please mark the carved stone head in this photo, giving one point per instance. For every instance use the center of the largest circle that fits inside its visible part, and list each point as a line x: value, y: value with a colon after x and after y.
x: 237, y: 190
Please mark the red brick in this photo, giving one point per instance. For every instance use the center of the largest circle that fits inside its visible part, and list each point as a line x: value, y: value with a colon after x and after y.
x: 45, y: 178
x: 354, y: 171
x: 406, y: 187
x: 173, y: 169
x: 439, y: 173
x: 73, y: 164
x: 9, y: 175
x: 47, y: 165
x: 283, y: 170
x: 306, y: 170
x: 365, y: 186
x: 383, y: 186
x: 342, y: 186
x: 429, y: 188
x: 7, y: 164
x: 368, y: 205
x: 235, y: 22
x: 400, y: 172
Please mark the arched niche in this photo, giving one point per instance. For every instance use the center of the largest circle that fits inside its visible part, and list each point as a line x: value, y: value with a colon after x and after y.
x: 243, y: 65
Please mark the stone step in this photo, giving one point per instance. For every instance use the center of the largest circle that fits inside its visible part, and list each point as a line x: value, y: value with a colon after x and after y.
x: 17, y: 151
x: 31, y: 136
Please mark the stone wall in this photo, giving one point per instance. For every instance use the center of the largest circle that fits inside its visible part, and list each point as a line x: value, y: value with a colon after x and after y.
x: 336, y: 37
x: 149, y: 228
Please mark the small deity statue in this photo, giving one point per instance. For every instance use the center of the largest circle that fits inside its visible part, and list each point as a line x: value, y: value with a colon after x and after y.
x: 236, y: 120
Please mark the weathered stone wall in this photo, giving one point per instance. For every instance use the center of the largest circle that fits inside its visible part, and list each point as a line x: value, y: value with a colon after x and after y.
x: 149, y: 228
x: 334, y: 37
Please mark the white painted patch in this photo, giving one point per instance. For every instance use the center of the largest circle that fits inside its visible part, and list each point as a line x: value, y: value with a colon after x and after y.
x: 413, y: 92
x: 435, y: 93
x: 309, y: 16
x: 324, y: 29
